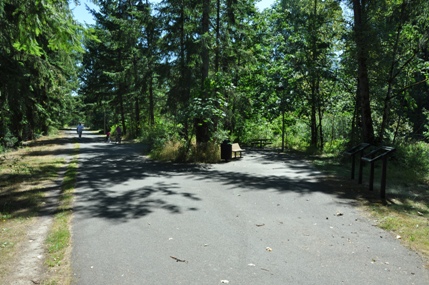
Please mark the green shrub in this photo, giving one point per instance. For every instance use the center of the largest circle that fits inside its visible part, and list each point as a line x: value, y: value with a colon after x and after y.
x: 335, y: 146
x: 159, y: 135
x: 413, y: 158
x: 8, y: 141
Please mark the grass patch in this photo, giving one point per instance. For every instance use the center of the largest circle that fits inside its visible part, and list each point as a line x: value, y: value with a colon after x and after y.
x: 58, y: 242
x: 412, y: 227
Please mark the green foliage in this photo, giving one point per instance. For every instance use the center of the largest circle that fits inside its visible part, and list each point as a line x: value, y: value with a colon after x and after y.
x: 159, y: 135
x: 298, y: 137
x: 209, y: 109
x: 8, y: 140
x: 413, y: 160
x: 143, y: 70
x: 257, y: 129
x: 39, y: 47
x: 120, y: 67
x: 306, y: 33
x: 425, y: 113
x: 220, y: 135
x: 335, y: 146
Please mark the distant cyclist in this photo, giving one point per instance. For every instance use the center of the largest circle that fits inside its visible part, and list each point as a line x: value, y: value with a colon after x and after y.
x: 118, y: 134
x: 108, y: 136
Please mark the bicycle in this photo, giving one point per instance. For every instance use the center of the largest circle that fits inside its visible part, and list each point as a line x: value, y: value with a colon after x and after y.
x: 118, y: 138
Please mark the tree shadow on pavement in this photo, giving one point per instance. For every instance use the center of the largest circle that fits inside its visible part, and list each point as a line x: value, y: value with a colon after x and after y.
x: 108, y: 182
x: 108, y: 173
x: 327, y: 181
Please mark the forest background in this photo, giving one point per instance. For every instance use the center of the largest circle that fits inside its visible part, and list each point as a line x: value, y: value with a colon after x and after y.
x: 181, y: 76
x: 309, y: 75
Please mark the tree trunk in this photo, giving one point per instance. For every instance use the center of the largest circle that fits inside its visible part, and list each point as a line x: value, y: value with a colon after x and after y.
x: 313, y: 118
x: 363, y: 80
x: 217, y: 56
x: 313, y: 79
x: 205, y: 50
x: 321, y: 136
x: 392, y: 76
x: 122, y: 111
x: 137, y: 117
x: 184, y: 89
x: 201, y: 125
x: 355, y: 135
x: 283, y: 130
x: 151, y: 102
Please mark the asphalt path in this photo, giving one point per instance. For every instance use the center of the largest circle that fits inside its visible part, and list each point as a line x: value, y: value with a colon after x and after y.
x: 262, y: 219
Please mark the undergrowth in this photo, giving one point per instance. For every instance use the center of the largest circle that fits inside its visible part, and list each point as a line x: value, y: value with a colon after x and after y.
x: 187, y: 152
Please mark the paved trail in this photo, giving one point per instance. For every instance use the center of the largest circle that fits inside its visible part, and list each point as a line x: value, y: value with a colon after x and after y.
x: 258, y: 220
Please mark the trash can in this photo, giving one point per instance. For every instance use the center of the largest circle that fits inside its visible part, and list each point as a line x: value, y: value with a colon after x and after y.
x: 226, y: 150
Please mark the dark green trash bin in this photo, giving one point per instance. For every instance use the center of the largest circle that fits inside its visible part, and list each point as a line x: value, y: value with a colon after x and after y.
x: 226, y: 150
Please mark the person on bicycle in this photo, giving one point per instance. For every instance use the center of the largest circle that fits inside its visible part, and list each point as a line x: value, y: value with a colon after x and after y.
x: 118, y: 134
x: 108, y: 136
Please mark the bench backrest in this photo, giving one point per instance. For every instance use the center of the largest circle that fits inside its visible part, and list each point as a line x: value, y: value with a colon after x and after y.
x: 236, y: 147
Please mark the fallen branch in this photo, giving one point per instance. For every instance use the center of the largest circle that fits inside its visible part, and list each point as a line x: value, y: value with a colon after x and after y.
x: 178, y: 259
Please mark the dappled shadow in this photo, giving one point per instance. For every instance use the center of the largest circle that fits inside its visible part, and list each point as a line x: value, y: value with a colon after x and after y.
x: 36, y: 201
x: 342, y: 186
x: 111, y: 182
x: 28, y: 190
x: 121, y: 206
x: 22, y: 194
x: 58, y: 145
x: 67, y: 136
x: 111, y: 177
x: 298, y: 176
x: 108, y: 175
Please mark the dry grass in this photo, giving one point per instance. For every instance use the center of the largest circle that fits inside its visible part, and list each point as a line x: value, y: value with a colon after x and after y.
x: 12, y: 238
x: 23, y: 177
x: 178, y: 152
x: 170, y: 152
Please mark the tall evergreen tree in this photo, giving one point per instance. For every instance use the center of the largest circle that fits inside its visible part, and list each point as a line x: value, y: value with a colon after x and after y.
x: 311, y: 30
x: 39, y: 45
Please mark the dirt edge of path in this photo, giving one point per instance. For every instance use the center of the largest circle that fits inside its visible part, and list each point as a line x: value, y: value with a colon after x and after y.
x: 28, y: 266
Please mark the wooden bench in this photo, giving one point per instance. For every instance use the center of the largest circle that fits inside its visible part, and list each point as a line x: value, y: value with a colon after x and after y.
x: 260, y: 142
x: 236, y: 148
